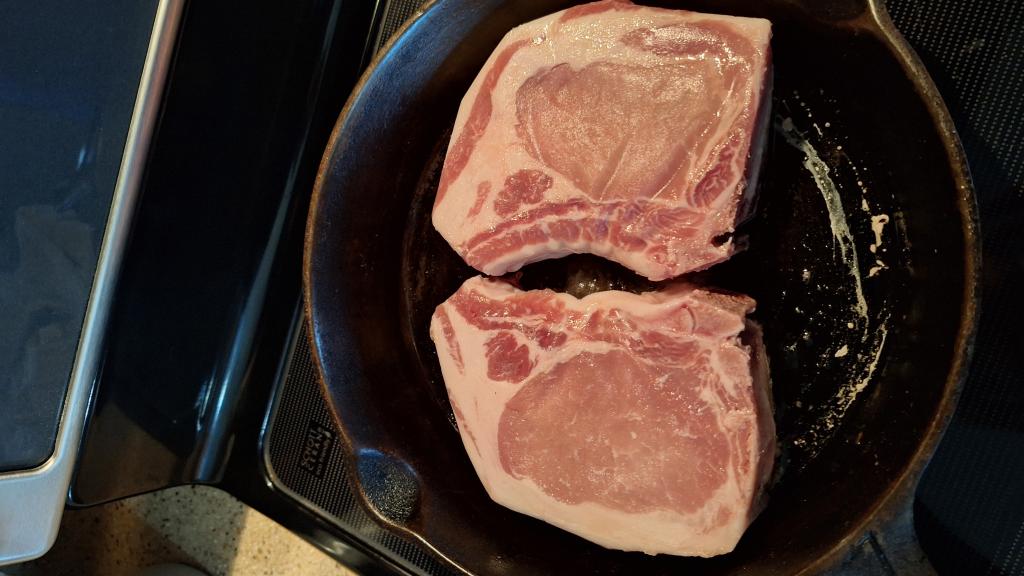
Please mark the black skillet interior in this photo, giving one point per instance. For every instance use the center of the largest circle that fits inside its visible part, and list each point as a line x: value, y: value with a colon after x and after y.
x: 858, y: 258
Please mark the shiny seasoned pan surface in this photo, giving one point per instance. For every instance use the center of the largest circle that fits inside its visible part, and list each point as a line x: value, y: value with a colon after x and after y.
x: 861, y: 258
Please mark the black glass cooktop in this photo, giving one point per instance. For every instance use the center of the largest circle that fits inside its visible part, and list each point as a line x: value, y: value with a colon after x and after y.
x: 970, y: 504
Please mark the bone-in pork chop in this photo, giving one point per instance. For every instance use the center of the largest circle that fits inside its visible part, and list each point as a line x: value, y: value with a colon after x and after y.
x: 629, y: 132
x: 639, y: 422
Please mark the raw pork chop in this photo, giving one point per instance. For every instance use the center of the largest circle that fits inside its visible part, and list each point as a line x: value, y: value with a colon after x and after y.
x: 639, y: 422
x: 629, y: 132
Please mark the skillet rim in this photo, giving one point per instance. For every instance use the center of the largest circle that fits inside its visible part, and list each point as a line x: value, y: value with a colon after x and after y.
x: 874, y: 20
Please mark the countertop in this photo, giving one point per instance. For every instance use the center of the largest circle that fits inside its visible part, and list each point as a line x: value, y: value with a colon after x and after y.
x: 199, y: 526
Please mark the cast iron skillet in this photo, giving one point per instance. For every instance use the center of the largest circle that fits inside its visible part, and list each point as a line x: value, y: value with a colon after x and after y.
x: 854, y: 113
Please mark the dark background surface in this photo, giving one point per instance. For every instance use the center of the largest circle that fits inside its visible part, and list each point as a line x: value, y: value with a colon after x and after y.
x: 970, y: 504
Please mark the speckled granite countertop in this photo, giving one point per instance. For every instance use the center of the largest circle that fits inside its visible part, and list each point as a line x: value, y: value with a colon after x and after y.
x: 199, y: 526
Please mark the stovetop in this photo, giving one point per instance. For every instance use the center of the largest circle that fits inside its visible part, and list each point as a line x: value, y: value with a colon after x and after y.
x: 206, y: 378
x: 970, y: 503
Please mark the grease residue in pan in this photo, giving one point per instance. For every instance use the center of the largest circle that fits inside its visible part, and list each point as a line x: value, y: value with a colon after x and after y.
x: 856, y: 352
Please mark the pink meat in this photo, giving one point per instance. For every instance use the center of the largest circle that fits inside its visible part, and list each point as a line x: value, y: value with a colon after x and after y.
x: 629, y: 132
x: 639, y: 422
